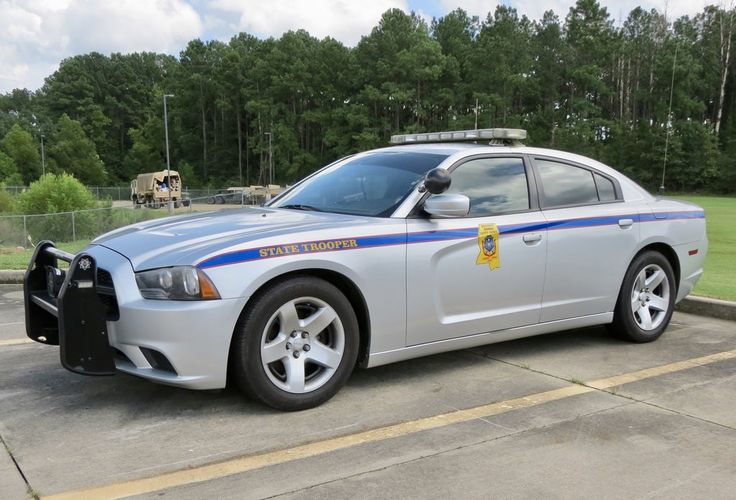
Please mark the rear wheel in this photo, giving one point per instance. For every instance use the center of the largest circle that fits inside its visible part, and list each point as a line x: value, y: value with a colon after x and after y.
x: 296, y: 345
x: 646, y: 300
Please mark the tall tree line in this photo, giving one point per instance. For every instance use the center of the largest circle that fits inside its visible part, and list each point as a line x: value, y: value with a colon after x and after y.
x: 617, y: 92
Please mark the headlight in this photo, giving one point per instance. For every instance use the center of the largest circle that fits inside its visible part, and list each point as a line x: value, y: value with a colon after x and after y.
x: 176, y: 283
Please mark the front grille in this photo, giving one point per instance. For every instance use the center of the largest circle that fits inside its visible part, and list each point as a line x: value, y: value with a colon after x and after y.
x: 106, y: 293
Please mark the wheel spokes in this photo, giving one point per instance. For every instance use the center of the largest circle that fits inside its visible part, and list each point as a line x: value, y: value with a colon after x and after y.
x: 658, y: 303
x: 641, y: 280
x: 295, y: 374
x: 646, y: 317
x: 324, y: 355
x: 275, y: 350
x: 655, y: 279
x: 318, y: 321
x: 635, y: 299
x: 288, y: 318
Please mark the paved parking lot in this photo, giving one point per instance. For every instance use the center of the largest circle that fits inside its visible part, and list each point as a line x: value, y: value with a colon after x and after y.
x: 571, y: 415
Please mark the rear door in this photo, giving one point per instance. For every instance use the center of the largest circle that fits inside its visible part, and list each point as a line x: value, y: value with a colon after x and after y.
x: 591, y: 237
x: 462, y: 279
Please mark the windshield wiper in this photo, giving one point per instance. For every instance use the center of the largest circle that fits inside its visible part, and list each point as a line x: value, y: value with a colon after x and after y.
x: 296, y: 206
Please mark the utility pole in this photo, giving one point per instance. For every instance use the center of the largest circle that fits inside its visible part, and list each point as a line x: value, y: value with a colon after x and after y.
x: 168, y: 159
x: 270, y: 158
x: 476, y: 114
x: 43, y: 158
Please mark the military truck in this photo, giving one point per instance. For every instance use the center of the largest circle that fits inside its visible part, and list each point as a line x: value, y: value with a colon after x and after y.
x: 155, y: 189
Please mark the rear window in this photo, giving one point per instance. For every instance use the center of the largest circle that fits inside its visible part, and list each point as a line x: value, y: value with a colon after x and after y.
x: 567, y: 185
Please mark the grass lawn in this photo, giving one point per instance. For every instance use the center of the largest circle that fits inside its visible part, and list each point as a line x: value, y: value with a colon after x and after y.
x: 14, y: 259
x: 719, y: 279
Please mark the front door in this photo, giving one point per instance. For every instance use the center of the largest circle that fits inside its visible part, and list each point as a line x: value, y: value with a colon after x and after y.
x: 483, y: 272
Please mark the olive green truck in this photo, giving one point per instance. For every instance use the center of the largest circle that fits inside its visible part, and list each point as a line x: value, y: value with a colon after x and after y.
x: 155, y: 189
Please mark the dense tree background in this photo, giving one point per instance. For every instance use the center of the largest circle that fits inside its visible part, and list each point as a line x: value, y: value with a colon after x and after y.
x: 577, y: 83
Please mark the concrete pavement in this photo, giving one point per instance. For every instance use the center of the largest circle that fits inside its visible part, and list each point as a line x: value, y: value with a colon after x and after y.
x: 670, y: 434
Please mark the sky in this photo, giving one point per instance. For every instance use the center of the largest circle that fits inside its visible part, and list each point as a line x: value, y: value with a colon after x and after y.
x: 37, y: 34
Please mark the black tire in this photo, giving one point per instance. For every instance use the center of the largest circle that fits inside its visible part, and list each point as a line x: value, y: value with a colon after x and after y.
x: 627, y: 324
x: 246, y: 366
x: 211, y: 200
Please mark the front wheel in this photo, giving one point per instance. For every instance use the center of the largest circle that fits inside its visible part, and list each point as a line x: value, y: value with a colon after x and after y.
x: 296, y: 345
x: 646, y: 300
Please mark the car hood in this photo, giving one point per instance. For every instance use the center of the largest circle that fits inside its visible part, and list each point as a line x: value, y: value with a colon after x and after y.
x: 182, y: 240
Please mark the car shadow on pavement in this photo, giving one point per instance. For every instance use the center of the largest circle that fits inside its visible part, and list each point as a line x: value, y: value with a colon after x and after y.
x: 36, y: 375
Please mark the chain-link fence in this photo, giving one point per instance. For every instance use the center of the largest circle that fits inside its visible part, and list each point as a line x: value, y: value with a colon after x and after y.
x: 118, y: 193
x: 26, y: 230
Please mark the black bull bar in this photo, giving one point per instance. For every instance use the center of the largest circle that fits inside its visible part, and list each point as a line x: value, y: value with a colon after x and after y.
x: 63, y: 308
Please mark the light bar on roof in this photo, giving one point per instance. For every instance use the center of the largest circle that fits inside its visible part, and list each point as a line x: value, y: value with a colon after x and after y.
x: 484, y: 134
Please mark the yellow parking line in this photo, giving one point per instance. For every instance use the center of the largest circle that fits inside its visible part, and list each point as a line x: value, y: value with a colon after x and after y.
x: 607, y: 383
x: 15, y: 342
x: 243, y: 464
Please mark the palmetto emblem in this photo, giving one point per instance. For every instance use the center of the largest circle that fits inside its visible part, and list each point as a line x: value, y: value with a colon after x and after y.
x: 489, y: 245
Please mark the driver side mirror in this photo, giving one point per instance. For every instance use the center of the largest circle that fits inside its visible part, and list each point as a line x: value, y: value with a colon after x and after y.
x: 447, y: 205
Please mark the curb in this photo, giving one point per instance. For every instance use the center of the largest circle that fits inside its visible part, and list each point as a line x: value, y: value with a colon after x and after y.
x: 700, y: 306
x: 8, y: 277
x: 704, y: 306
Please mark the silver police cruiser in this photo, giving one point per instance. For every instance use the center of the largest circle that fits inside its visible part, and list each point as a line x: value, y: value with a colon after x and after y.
x: 443, y: 241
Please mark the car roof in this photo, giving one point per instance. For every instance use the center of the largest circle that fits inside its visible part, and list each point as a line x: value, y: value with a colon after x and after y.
x: 456, y: 149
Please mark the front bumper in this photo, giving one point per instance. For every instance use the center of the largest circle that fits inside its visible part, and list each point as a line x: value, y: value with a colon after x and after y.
x: 182, y: 343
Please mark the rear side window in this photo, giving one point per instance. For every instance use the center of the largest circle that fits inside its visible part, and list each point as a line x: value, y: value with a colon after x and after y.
x: 606, y: 191
x: 565, y: 185
x: 494, y: 185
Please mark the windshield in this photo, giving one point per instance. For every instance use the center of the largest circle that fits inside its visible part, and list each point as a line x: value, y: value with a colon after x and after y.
x: 374, y: 184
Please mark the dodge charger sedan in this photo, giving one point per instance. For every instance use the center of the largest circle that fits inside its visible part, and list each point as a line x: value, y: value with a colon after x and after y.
x: 442, y: 241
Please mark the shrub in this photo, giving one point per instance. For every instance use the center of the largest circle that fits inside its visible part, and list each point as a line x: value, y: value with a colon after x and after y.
x: 52, y: 194
x: 55, y: 193
x: 6, y: 200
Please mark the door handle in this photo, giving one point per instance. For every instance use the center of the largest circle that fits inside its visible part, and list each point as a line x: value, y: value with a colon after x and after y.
x: 532, y: 238
x: 624, y: 223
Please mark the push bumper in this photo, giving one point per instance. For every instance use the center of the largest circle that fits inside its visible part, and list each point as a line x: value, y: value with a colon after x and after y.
x: 65, y: 308
x: 106, y: 325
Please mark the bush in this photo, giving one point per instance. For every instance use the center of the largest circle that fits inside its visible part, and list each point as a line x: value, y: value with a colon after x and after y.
x: 6, y: 200
x: 55, y: 193
x: 52, y: 194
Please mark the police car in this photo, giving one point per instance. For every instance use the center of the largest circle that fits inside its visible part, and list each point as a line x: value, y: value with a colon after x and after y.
x: 442, y: 241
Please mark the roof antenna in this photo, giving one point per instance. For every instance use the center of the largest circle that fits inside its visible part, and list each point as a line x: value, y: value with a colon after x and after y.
x: 669, y: 120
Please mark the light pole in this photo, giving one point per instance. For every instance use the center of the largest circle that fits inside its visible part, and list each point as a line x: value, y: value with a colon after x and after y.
x: 270, y: 158
x: 168, y: 159
x: 43, y: 158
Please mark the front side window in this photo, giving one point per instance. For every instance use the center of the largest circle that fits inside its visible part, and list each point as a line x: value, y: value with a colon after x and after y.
x: 494, y: 185
x: 373, y: 184
x: 565, y: 185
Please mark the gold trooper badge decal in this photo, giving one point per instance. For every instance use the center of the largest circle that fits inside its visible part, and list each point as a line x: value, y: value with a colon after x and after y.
x: 488, y: 243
